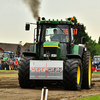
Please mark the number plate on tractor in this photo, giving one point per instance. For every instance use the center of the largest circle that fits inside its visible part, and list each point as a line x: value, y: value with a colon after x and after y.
x: 46, y: 70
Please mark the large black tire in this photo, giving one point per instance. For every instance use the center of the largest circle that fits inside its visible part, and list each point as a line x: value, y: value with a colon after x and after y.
x: 72, y: 77
x: 23, y: 73
x: 87, y: 71
x: 3, y: 66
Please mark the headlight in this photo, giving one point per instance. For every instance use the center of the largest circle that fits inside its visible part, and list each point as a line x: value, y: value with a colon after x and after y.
x: 44, y: 55
x: 53, y: 55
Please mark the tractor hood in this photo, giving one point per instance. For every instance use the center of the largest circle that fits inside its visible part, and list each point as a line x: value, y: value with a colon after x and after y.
x: 51, y: 50
x: 51, y: 44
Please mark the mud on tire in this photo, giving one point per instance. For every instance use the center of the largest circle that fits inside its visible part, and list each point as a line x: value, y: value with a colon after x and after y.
x: 23, y: 73
x: 72, y: 74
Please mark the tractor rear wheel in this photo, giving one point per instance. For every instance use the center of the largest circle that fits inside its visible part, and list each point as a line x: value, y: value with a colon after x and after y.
x: 87, y: 71
x: 23, y: 73
x: 72, y: 76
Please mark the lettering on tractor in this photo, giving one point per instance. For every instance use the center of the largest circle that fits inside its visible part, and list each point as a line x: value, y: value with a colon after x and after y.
x: 55, y: 58
x: 65, y: 31
x: 49, y: 70
x: 75, y: 31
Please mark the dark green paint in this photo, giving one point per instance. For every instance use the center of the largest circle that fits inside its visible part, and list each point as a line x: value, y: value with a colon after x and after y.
x: 75, y: 49
x: 53, y: 44
x: 35, y: 48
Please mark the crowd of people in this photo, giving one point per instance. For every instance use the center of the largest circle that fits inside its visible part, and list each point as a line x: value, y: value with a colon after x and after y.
x: 9, y: 64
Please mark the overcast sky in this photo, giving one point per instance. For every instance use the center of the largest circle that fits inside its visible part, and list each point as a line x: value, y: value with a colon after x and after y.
x: 14, y: 14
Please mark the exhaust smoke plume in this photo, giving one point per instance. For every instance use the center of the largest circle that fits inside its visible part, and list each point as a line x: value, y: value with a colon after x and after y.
x: 34, y: 7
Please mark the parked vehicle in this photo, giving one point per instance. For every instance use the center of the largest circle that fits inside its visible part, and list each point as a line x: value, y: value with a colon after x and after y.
x: 96, y: 63
x: 5, y: 56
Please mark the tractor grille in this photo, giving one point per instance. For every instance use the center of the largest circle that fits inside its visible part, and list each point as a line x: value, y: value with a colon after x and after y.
x: 50, y: 51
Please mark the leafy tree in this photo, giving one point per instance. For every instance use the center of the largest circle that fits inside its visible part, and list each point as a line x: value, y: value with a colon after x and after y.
x: 91, y: 46
x: 99, y: 40
x: 97, y: 48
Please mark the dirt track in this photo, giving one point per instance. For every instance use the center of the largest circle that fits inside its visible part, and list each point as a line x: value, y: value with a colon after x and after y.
x: 10, y: 90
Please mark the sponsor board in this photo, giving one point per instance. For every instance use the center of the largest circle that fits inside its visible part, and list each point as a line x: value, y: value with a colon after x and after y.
x: 46, y: 69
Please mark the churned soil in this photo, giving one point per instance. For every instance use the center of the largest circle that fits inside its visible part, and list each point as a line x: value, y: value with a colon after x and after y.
x: 10, y: 90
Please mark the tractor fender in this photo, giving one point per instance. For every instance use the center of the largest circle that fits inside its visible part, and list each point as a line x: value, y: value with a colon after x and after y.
x: 78, y: 50
x: 74, y: 56
x: 29, y: 53
x: 81, y: 50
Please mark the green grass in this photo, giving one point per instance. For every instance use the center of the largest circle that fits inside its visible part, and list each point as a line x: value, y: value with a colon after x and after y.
x: 96, y: 73
x: 95, y: 97
x: 6, y: 75
x: 8, y: 71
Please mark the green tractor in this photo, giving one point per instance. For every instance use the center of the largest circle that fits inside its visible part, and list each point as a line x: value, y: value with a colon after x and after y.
x: 55, y: 58
x: 5, y: 56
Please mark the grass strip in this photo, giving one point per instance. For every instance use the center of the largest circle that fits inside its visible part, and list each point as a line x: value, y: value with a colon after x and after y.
x: 96, y: 72
x: 95, y: 97
x: 8, y: 75
x: 8, y: 70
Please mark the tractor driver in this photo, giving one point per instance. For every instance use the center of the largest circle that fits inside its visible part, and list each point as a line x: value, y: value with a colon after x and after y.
x: 56, y: 37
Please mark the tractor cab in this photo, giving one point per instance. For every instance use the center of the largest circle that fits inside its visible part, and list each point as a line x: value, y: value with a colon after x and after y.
x: 56, y: 33
x: 54, y: 40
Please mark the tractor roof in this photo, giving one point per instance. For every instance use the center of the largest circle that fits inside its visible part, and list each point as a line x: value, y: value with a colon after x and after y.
x: 44, y: 21
x: 55, y: 22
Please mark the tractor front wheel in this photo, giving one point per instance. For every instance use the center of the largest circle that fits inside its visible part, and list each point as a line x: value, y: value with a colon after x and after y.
x: 23, y: 74
x: 72, y: 74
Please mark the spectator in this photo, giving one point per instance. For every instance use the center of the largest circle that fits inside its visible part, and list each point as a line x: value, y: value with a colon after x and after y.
x: 0, y: 63
x: 10, y: 66
x: 16, y: 64
x: 7, y: 64
x: 13, y: 66
x: 92, y: 62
